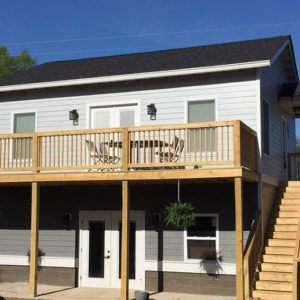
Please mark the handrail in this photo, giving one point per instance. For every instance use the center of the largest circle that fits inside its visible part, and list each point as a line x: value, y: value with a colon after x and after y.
x: 296, y: 260
x: 224, y: 143
x: 253, y: 253
x: 294, y: 166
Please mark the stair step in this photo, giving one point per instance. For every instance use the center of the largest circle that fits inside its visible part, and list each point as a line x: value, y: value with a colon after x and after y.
x: 281, y: 227
x: 280, y: 250
x: 281, y: 243
x: 288, y: 214
x: 272, y: 295
x: 291, y: 195
x: 290, y: 201
x: 282, y: 235
x: 273, y: 258
x: 276, y: 267
x: 274, y: 285
x: 292, y: 189
x: 284, y: 207
x: 293, y: 184
x: 276, y: 276
x: 285, y: 221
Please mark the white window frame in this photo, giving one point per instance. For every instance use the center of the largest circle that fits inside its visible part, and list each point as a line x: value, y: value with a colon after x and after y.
x: 20, y: 112
x: 111, y: 104
x: 199, y: 99
x: 216, y: 238
x: 13, y: 115
x: 263, y: 127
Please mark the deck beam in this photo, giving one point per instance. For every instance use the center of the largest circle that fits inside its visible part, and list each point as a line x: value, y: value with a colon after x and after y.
x: 146, y: 175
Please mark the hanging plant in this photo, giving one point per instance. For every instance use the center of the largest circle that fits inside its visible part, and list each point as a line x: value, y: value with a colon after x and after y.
x: 180, y: 214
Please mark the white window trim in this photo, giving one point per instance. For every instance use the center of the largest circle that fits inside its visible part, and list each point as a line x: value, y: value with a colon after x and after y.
x: 217, y: 239
x: 25, y: 111
x: 111, y: 103
x: 199, y: 99
x: 263, y: 129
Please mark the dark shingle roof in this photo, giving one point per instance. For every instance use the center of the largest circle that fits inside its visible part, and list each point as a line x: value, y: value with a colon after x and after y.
x: 202, y: 56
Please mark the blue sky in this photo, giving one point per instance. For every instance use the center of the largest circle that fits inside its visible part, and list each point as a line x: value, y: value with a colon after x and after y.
x: 71, y: 29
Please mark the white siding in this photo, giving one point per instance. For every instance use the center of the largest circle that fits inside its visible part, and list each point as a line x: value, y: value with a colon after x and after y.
x: 234, y: 92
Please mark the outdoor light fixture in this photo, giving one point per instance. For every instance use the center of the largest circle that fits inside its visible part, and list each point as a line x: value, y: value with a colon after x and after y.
x: 151, y: 111
x: 74, y: 116
x: 67, y: 219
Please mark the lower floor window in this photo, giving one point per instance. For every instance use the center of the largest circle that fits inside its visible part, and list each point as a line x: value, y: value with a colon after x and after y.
x: 201, y: 239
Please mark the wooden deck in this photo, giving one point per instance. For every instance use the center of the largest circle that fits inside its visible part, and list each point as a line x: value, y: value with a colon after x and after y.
x: 198, y: 150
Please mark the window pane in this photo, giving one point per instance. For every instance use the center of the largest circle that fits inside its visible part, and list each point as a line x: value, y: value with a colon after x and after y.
x: 101, y: 119
x: 24, y: 123
x: 266, y: 128
x: 22, y: 148
x: 202, y: 111
x: 126, y: 118
x: 204, y: 227
x: 201, y: 249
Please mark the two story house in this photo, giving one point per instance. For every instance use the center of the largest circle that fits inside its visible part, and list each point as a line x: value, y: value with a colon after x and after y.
x: 93, y: 150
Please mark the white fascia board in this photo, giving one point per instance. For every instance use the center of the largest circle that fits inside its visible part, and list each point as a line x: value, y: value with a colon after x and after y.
x: 136, y: 76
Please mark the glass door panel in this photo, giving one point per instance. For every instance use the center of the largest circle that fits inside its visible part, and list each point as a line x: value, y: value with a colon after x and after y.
x: 96, y: 249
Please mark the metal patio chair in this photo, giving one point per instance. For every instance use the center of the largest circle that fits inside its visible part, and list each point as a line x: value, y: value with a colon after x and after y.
x: 100, y: 156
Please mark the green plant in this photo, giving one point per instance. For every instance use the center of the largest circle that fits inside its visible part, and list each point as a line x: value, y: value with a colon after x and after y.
x: 180, y: 214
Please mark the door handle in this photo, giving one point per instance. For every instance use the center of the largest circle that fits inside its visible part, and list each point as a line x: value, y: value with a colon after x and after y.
x: 107, y: 256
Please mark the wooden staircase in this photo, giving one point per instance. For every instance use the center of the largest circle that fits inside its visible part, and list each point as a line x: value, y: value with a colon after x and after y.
x: 274, y: 279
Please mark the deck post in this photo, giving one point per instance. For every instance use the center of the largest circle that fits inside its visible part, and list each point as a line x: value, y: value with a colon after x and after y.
x: 125, y: 241
x: 238, y: 188
x: 34, y: 246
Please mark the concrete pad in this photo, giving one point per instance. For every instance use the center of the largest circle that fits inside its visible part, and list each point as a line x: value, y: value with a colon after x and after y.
x: 20, y: 290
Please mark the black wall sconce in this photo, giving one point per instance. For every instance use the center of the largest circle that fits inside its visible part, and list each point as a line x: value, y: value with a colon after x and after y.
x: 151, y: 111
x: 74, y: 116
x: 67, y: 219
x: 156, y: 219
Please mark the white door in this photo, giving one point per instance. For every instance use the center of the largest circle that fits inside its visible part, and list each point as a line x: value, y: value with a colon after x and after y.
x: 100, y: 249
x: 114, y: 116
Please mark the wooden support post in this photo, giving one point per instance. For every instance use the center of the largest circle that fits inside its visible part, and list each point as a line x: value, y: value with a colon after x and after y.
x: 125, y: 241
x: 125, y: 150
x: 34, y: 246
x: 238, y: 188
x: 237, y: 144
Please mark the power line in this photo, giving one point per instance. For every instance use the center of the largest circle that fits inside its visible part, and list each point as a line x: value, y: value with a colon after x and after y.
x: 150, y: 34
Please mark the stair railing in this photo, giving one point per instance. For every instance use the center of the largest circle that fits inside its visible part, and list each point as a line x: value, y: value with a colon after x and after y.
x: 296, y: 262
x: 252, y: 255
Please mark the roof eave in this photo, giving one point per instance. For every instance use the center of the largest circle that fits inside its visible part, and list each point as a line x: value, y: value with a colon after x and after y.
x: 137, y: 76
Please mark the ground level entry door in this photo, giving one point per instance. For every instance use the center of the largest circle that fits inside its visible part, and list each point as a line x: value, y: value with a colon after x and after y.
x: 100, y: 249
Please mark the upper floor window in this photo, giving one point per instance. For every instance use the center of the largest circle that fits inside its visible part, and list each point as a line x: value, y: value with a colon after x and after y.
x: 202, y: 111
x: 266, y: 127
x: 24, y: 122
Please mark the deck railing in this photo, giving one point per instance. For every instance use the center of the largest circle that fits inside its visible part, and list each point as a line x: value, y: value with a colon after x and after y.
x: 195, y: 145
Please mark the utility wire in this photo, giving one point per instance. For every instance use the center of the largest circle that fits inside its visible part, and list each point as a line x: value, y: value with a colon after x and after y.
x: 149, y: 34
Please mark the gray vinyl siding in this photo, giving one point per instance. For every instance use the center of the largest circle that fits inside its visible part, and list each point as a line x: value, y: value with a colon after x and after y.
x: 58, y: 243
x: 271, y: 81
x: 235, y: 93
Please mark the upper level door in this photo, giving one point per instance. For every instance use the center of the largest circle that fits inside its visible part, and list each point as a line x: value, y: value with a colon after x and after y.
x: 114, y: 116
